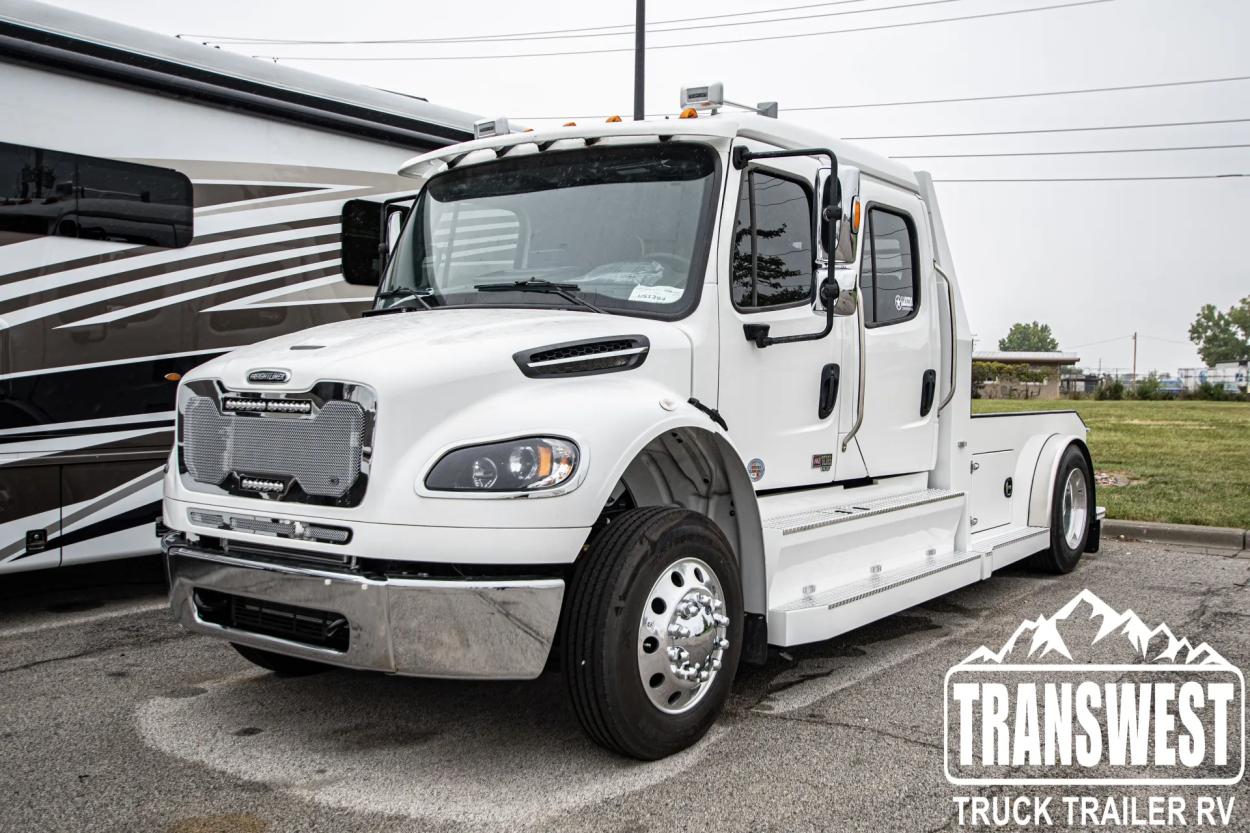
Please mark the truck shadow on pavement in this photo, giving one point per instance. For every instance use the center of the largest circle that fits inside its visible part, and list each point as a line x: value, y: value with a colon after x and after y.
x: 473, y: 753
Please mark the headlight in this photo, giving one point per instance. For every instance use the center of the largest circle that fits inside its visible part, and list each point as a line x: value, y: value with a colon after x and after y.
x: 524, y: 465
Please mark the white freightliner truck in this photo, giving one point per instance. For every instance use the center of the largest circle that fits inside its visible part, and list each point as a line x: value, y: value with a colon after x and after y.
x: 635, y: 400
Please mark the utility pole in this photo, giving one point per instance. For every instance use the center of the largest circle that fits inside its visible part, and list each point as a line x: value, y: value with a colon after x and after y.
x: 640, y: 60
x: 1134, y: 359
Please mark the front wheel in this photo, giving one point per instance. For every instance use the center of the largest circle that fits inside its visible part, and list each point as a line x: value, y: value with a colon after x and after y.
x: 1071, y: 512
x: 652, y: 631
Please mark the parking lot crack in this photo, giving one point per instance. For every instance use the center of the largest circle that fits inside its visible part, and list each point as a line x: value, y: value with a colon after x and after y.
x: 860, y: 728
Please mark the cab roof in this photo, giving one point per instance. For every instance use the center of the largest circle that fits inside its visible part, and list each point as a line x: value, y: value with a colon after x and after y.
x: 719, y: 130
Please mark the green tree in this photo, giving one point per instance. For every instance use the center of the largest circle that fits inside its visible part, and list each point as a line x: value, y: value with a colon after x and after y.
x: 1029, y: 338
x: 1222, y: 336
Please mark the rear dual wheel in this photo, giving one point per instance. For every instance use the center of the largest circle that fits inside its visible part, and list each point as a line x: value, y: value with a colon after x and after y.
x: 652, y: 631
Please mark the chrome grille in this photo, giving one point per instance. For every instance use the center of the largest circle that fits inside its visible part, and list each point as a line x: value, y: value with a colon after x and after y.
x: 321, y: 453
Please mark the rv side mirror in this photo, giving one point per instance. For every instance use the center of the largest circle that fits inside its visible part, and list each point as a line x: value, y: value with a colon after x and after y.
x: 363, y: 246
x: 830, y: 214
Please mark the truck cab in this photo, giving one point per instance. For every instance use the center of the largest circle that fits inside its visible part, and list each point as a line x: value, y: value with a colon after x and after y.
x: 635, y: 400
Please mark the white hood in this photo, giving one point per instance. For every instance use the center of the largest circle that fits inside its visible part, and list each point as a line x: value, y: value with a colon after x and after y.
x: 432, y: 348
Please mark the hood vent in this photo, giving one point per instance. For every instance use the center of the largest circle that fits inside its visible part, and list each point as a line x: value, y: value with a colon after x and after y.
x: 583, y: 358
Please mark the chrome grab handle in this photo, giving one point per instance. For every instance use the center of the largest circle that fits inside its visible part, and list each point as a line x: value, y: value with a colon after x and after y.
x: 863, y: 364
x: 950, y: 303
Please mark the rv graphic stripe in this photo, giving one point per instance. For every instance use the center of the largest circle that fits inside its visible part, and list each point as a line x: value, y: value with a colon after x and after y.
x: 136, y: 251
x: 53, y: 296
x: 39, y: 403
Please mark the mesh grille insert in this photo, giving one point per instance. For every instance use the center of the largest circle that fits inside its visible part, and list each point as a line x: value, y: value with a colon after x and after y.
x: 322, y: 453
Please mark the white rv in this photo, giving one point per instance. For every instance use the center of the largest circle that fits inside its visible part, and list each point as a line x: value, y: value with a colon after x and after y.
x: 642, y: 398
x: 161, y: 202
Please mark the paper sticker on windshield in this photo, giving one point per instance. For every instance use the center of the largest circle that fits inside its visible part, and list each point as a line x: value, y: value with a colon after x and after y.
x: 656, y: 294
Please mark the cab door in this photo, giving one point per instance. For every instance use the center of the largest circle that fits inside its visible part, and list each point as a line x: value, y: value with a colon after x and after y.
x: 780, y: 402
x: 902, y: 339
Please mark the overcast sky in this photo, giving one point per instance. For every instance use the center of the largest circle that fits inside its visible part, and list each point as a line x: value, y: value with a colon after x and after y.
x: 1095, y: 260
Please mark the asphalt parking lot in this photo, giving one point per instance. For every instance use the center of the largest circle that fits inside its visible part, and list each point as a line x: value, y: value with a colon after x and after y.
x: 113, y: 719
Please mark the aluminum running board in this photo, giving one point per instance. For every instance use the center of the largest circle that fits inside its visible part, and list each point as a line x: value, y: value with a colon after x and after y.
x: 822, y: 516
x: 1006, y: 545
x: 852, y: 605
x: 882, y: 582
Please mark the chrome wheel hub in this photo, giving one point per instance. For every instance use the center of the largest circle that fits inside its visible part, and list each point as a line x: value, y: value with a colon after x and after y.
x: 682, y: 636
x: 1075, y: 507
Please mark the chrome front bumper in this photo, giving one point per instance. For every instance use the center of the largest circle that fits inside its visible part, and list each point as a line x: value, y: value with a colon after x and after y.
x: 462, y: 629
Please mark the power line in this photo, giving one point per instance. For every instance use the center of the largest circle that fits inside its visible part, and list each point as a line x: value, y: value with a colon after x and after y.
x: 224, y: 39
x: 966, y: 99
x: 1102, y: 178
x: 1024, y: 95
x: 1104, y: 341
x: 757, y: 39
x: 1063, y: 152
x: 1044, y: 130
x: 557, y: 36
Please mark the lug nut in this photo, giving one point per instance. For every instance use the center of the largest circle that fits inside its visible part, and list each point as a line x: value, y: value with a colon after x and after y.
x: 716, y: 665
x: 720, y: 619
x: 722, y: 643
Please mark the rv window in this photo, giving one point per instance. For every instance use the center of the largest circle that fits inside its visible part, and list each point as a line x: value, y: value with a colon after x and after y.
x: 778, y: 245
x: 887, y: 280
x: 48, y: 192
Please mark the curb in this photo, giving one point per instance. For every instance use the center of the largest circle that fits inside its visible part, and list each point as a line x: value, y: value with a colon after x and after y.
x: 1215, y: 537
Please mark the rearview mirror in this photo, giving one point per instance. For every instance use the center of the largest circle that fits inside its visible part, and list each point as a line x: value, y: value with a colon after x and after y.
x: 370, y: 231
x: 363, y: 250
x: 830, y: 214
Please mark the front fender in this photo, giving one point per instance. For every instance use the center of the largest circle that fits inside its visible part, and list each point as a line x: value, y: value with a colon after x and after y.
x: 611, y: 418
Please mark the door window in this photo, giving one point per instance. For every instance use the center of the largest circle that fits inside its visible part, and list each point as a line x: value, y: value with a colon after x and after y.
x: 773, y: 236
x: 888, y: 282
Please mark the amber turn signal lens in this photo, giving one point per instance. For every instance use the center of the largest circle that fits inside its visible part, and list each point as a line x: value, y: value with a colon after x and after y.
x: 689, y: 113
x: 613, y: 119
x: 172, y: 377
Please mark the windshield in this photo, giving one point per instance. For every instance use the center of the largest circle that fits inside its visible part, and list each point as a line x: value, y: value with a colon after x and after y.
x: 620, y: 229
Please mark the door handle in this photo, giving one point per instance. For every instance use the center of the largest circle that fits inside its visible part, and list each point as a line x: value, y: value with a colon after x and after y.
x: 928, y: 387
x: 829, y: 376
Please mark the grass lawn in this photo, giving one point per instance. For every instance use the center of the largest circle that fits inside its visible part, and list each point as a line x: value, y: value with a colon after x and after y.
x: 1185, y: 462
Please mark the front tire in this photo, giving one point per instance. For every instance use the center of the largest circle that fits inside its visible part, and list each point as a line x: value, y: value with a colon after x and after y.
x: 652, y: 631
x: 1071, y: 512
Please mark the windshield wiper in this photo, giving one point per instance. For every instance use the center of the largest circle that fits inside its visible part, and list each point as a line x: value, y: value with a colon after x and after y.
x: 564, y: 290
x: 404, y: 293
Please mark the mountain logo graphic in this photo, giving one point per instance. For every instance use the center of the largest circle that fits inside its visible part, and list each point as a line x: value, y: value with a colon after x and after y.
x: 1094, y: 695
x: 1044, y: 639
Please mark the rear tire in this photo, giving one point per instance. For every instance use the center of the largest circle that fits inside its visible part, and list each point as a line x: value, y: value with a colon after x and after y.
x: 652, y: 631
x: 280, y: 664
x: 1071, y: 513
